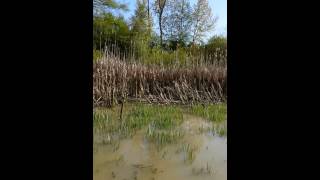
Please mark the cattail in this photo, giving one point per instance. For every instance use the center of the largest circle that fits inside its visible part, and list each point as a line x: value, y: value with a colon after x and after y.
x: 115, y: 77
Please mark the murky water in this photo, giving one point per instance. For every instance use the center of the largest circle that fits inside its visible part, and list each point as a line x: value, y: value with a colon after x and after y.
x: 138, y: 159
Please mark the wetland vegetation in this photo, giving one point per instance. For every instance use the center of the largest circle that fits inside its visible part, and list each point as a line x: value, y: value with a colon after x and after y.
x: 159, y: 92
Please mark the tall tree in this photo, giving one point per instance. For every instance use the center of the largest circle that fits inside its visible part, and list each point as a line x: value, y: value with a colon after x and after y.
x: 148, y: 9
x: 100, y: 6
x: 107, y: 29
x: 139, y: 20
x: 203, y: 20
x: 141, y: 33
x: 149, y: 16
x: 179, y: 21
x: 159, y: 9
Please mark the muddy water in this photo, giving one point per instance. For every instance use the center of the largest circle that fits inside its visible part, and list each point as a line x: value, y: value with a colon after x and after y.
x: 137, y: 159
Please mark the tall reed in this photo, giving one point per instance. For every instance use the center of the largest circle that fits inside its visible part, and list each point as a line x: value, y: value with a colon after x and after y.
x: 115, y: 78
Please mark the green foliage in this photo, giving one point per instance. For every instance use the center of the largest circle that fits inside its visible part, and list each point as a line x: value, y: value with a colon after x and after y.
x: 139, y: 20
x: 102, y: 6
x: 217, y: 42
x: 141, y: 49
x: 109, y: 30
x: 160, y: 57
x: 115, y: 5
x: 141, y: 34
x: 178, y: 22
x: 202, y: 20
x: 217, y: 47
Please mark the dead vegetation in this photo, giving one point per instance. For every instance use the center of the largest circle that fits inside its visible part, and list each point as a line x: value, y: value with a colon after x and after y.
x: 115, y: 79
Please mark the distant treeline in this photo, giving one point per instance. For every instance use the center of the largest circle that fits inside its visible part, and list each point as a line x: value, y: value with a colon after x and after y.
x: 181, y: 30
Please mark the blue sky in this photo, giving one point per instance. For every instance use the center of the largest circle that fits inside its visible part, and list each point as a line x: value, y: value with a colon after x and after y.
x: 219, y: 8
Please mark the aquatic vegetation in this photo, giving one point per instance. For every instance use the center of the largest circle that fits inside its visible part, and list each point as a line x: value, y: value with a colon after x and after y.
x: 109, y: 128
x: 219, y: 129
x: 189, y: 152
x: 164, y: 137
x: 161, y: 117
x: 207, y: 170
x: 211, y: 112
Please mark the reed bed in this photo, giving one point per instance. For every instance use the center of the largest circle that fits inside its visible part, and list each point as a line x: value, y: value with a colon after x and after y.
x: 115, y: 79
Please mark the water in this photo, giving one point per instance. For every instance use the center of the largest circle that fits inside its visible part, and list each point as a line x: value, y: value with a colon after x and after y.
x: 136, y: 158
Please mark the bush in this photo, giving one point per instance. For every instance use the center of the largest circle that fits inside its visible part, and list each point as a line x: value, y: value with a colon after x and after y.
x: 217, y: 43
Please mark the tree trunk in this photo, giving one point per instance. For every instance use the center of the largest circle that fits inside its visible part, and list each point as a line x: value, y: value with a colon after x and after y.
x: 160, y: 26
x: 148, y: 11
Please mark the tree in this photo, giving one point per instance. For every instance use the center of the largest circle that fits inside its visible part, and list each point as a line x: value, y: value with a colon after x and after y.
x: 179, y: 22
x: 141, y: 33
x: 159, y: 9
x: 110, y: 30
x: 203, y: 20
x: 100, y: 6
x: 149, y: 17
x: 139, y: 20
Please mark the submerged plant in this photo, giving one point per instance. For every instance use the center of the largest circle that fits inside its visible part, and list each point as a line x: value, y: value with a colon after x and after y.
x: 207, y: 170
x: 189, y: 152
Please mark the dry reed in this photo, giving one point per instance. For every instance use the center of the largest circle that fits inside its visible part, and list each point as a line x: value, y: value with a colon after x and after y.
x: 115, y: 79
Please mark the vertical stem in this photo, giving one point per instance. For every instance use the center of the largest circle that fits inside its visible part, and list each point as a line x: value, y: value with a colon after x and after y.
x: 122, y: 101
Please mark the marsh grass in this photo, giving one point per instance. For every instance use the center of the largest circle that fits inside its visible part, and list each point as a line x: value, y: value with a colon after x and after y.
x: 158, y: 116
x: 211, y: 112
x: 164, y: 137
x: 216, y: 113
x: 104, y: 120
x: 161, y: 122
